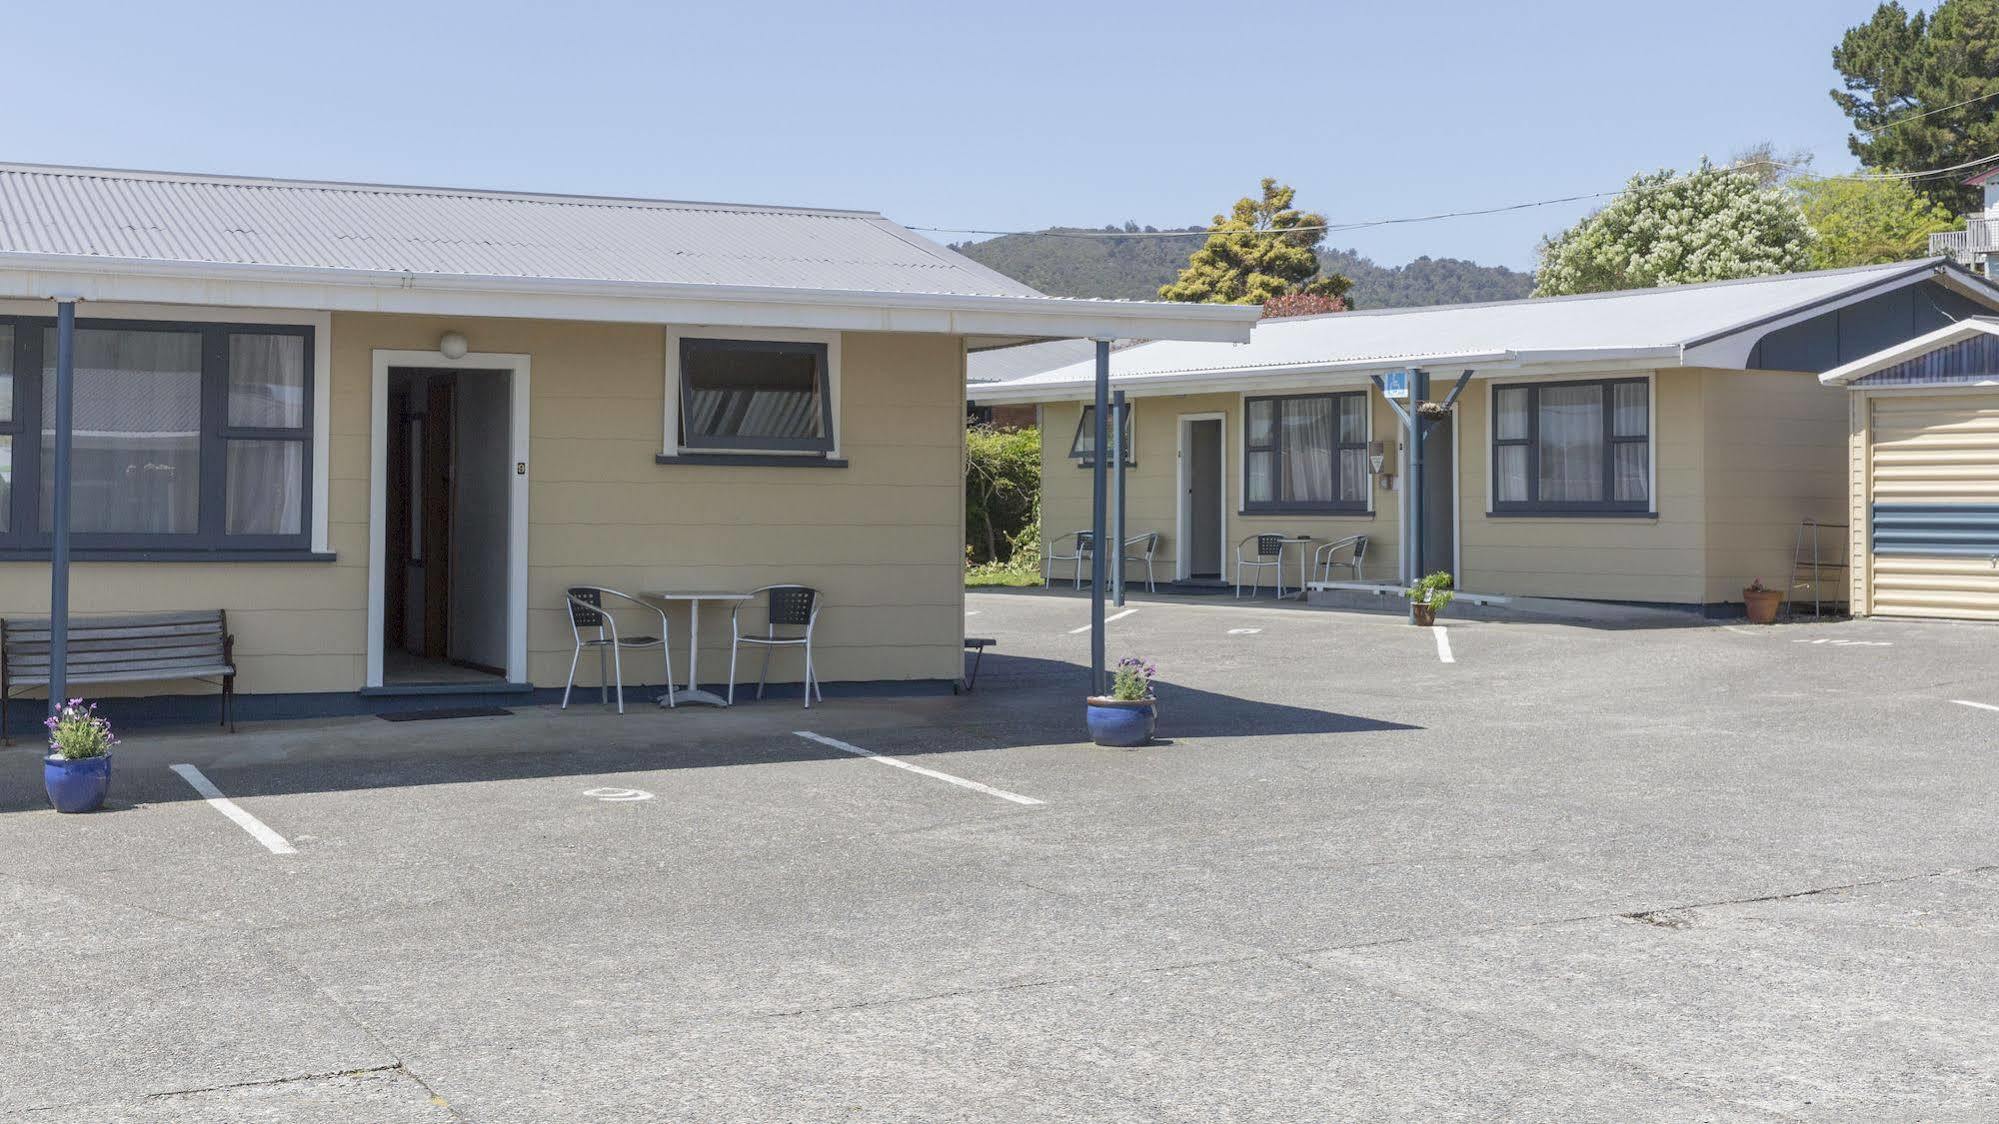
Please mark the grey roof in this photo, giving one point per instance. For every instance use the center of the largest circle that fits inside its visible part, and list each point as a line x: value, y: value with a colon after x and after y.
x: 173, y: 217
x: 1002, y: 363
x: 1633, y: 323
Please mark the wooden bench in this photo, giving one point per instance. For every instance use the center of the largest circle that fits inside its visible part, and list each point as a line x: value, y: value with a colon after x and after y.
x: 132, y: 649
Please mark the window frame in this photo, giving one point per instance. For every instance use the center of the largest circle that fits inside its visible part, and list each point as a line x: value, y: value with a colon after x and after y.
x: 1609, y: 506
x: 675, y: 445
x: 1361, y: 506
x: 1128, y: 450
x: 25, y: 538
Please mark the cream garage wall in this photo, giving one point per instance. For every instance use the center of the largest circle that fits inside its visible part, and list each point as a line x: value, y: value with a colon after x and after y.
x: 1153, y: 503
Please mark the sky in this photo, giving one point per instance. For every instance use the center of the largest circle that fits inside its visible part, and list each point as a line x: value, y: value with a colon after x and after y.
x: 1010, y: 116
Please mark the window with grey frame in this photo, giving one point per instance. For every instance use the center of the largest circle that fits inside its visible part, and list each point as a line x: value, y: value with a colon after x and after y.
x: 192, y: 438
x: 1083, y: 447
x: 753, y: 396
x: 1572, y: 448
x: 1305, y: 453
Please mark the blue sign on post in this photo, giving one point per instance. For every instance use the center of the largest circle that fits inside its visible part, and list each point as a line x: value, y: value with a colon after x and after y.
x: 1395, y: 384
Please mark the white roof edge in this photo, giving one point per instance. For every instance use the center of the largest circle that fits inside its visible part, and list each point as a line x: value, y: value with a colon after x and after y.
x: 1844, y: 374
x: 317, y: 288
x: 1238, y: 378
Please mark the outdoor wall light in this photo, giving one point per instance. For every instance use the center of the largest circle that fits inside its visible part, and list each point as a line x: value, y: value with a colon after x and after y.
x: 452, y: 345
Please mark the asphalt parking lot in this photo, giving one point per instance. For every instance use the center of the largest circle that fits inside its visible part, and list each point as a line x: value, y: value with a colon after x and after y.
x: 1710, y: 873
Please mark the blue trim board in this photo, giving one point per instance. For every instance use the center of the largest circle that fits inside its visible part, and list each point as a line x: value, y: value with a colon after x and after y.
x: 1966, y: 529
x: 205, y: 709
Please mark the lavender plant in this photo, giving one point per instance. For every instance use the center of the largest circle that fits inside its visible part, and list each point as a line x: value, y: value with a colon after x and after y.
x: 77, y: 731
x: 1132, y: 681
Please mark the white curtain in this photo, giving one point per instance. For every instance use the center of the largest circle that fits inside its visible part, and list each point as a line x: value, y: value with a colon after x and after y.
x: 136, y: 462
x: 1571, y: 444
x: 1631, y: 461
x: 266, y: 488
x: 1308, y: 449
x: 1509, y: 423
x: 266, y: 381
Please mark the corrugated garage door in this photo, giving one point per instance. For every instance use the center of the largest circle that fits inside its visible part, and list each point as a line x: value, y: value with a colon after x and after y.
x: 1936, y: 506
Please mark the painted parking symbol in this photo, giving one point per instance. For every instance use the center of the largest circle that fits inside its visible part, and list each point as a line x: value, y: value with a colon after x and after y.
x: 1244, y: 631
x: 617, y: 795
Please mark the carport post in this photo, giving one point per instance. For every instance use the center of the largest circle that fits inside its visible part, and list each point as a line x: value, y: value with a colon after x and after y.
x: 1117, y: 513
x: 59, y: 504
x: 1098, y: 480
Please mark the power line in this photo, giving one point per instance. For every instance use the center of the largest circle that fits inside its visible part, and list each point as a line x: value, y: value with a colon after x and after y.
x: 1330, y: 228
x: 1886, y: 125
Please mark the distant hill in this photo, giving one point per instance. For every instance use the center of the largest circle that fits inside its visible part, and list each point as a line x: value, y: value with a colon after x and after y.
x: 1133, y: 268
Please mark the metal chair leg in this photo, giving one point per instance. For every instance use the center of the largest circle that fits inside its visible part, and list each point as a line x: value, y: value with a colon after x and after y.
x: 763, y: 674
x: 573, y: 657
x: 618, y: 662
x: 666, y: 652
x: 733, y: 643
x: 603, y: 674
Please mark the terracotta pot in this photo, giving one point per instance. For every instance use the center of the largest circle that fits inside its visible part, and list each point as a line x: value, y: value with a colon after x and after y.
x: 1425, y: 614
x: 1762, y: 604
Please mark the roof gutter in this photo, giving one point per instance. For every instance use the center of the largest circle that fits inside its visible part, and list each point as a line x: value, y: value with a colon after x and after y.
x: 1293, y: 375
x: 142, y: 280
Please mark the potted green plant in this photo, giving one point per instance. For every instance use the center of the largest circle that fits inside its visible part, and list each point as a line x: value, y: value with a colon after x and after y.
x: 1429, y: 595
x: 1762, y: 602
x: 1125, y: 717
x: 77, y: 771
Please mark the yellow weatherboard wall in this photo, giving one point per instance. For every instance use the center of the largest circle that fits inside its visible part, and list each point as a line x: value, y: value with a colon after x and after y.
x: 1153, y: 503
x: 883, y: 537
x: 1740, y: 458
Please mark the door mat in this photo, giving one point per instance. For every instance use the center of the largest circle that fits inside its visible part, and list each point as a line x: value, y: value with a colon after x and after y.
x: 446, y: 712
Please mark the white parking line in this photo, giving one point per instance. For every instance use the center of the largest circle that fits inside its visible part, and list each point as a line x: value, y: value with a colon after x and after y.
x: 1975, y: 705
x: 1244, y: 631
x: 274, y: 842
x: 1107, y: 620
x: 1443, y: 644
x: 871, y: 755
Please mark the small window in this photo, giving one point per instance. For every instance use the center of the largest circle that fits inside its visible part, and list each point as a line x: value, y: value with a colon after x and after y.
x: 1305, y: 453
x: 1572, y: 447
x: 1083, y: 449
x: 754, y: 396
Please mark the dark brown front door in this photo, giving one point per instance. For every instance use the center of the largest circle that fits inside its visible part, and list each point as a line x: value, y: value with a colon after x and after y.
x: 436, y: 492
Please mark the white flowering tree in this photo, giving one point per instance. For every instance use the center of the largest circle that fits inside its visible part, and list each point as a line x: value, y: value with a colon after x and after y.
x: 1711, y: 224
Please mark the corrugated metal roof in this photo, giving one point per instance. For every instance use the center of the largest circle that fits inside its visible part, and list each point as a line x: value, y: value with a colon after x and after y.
x: 171, y: 217
x: 1546, y: 329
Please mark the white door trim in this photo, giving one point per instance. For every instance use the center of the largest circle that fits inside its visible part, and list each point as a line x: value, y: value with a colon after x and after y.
x: 1183, y: 511
x: 517, y: 497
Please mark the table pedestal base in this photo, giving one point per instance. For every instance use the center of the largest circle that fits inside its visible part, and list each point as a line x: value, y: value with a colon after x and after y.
x: 694, y: 696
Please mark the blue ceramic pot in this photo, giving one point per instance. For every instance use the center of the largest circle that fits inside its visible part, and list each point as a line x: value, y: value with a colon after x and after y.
x: 79, y: 785
x: 1118, y: 722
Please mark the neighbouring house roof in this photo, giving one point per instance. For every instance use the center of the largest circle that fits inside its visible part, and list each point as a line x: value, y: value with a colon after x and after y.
x: 92, y: 224
x: 1713, y: 324
x: 1962, y: 354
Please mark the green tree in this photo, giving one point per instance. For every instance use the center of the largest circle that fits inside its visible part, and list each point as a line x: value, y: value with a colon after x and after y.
x: 1002, y: 489
x: 1712, y: 224
x: 1906, y: 73
x: 1868, y: 222
x: 1261, y: 250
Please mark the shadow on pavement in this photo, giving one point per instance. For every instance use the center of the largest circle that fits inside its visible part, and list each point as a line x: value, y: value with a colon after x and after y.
x: 1020, y: 701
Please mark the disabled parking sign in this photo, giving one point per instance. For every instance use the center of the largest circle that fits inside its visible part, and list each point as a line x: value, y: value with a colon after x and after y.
x: 1395, y: 384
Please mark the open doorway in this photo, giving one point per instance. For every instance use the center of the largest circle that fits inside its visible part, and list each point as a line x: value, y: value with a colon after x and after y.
x: 446, y: 530
x: 1203, y: 513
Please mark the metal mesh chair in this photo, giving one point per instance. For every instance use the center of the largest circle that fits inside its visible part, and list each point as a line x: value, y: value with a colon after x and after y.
x: 1148, y: 544
x: 1327, y: 557
x: 586, y: 611
x: 1079, y: 552
x: 786, y: 606
x: 1269, y: 554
